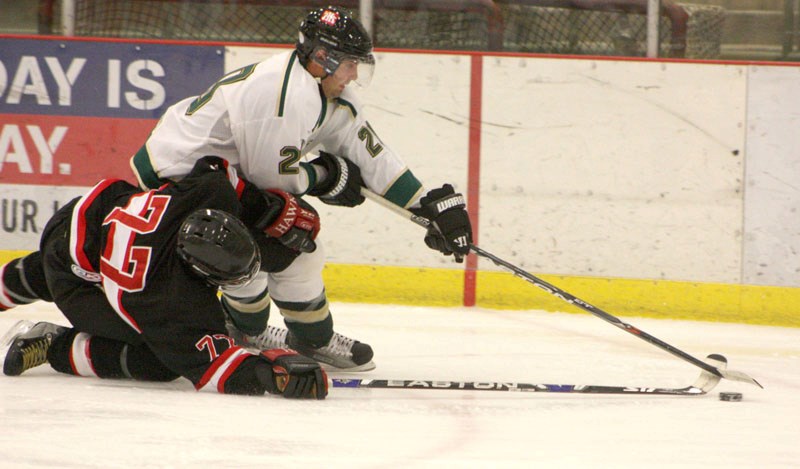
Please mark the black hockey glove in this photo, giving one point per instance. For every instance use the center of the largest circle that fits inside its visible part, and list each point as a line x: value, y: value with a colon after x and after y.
x: 450, y: 231
x: 291, y: 220
x: 342, y: 185
x: 294, y: 375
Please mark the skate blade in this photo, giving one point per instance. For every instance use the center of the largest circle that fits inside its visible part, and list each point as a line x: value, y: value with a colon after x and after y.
x: 370, y: 365
x: 19, y: 328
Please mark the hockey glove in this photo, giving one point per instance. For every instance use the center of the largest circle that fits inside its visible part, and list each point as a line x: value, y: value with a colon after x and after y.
x: 291, y: 220
x: 295, y: 376
x: 342, y: 185
x: 450, y: 231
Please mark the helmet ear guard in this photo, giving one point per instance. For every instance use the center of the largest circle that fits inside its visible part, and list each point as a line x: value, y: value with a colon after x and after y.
x: 218, y: 248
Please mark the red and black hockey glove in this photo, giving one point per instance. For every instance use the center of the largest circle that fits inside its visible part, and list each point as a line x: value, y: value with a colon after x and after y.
x: 294, y: 375
x: 291, y: 220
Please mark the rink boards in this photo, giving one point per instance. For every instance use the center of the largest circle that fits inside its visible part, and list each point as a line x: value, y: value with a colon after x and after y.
x: 649, y: 187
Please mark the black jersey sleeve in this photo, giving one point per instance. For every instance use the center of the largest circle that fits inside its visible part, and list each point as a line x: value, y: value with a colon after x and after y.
x: 216, y: 171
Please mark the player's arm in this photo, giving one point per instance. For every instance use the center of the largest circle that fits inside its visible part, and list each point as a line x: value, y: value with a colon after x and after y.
x: 385, y: 173
x: 283, y: 226
x: 212, y: 360
x: 350, y: 136
x: 229, y: 369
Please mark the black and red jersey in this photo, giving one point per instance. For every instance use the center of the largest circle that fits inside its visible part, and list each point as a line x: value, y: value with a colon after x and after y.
x: 122, y: 244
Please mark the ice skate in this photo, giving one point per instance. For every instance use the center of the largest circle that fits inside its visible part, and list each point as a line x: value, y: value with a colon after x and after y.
x: 341, y: 353
x: 29, y: 349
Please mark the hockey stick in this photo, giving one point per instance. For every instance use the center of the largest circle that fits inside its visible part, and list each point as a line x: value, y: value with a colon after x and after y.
x: 557, y: 292
x: 704, y: 383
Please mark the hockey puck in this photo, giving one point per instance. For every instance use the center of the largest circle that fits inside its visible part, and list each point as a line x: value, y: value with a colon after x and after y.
x: 730, y: 396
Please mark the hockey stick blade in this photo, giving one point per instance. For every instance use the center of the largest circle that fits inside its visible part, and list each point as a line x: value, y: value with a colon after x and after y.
x: 734, y: 375
x: 571, y: 299
x: 704, y: 383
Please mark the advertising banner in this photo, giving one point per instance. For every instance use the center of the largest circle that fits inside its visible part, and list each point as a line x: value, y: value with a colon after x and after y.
x: 73, y: 112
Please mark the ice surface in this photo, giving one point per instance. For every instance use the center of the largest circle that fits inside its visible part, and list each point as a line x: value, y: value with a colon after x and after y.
x: 52, y: 420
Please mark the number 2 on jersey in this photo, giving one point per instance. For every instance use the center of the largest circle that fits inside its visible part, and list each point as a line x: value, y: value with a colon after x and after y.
x: 233, y: 77
x: 367, y: 135
x: 292, y: 156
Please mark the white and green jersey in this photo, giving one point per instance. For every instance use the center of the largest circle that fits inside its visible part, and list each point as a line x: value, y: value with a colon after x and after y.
x: 264, y: 118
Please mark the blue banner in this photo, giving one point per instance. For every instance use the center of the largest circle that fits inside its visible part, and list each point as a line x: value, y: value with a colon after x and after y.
x: 102, y: 79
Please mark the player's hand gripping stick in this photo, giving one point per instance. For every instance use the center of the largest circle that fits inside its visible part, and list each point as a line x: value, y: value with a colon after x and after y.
x: 449, y: 231
x: 342, y: 182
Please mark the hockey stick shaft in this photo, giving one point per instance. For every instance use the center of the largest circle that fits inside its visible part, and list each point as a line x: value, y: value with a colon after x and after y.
x: 702, y: 385
x: 509, y: 386
x: 571, y: 299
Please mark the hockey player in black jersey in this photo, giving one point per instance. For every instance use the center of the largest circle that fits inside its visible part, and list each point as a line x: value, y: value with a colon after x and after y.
x: 137, y: 275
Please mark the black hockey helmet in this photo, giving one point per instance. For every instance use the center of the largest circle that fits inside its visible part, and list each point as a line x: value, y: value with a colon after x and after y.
x: 341, y: 36
x: 218, y: 247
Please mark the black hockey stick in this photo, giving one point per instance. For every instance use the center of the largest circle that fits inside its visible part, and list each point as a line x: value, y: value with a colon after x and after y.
x: 704, y: 383
x: 555, y: 291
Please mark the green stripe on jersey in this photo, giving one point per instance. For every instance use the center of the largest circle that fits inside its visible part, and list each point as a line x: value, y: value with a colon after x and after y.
x: 404, y: 189
x: 347, y: 104
x: 144, y: 169
x: 324, y: 111
x: 312, y: 176
x: 282, y: 102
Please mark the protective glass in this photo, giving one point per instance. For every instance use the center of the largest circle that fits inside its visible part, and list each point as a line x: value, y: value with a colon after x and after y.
x: 358, y: 69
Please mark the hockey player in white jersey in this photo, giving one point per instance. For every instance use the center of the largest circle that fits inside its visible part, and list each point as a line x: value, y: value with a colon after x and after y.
x: 266, y: 119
